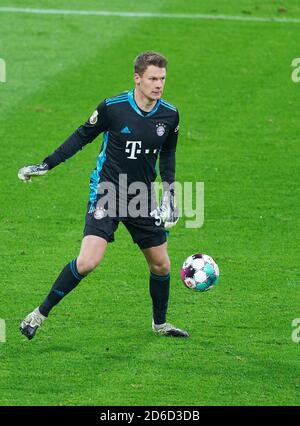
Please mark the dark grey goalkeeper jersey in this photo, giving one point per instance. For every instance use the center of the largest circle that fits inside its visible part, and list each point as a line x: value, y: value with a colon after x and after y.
x: 133, y: 140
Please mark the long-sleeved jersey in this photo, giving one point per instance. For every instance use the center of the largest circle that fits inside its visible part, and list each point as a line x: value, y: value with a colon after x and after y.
x: 133, y: 140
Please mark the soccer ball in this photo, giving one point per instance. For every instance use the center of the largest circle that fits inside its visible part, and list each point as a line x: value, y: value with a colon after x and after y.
x: 199, y: 272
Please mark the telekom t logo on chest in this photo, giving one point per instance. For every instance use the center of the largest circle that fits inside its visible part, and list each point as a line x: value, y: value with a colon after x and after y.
x: 132, y: 148
x: 135, y: 147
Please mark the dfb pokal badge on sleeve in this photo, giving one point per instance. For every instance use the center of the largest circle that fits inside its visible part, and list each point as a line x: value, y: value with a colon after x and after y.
x: 94, y: 117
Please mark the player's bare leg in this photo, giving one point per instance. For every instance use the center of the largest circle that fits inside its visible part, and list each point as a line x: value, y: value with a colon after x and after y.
x: 159, y: 265
x: 91, y: 253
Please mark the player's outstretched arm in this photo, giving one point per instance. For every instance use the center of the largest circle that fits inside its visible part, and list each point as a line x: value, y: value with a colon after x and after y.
x: 25, y: 173
x: 85, y: 134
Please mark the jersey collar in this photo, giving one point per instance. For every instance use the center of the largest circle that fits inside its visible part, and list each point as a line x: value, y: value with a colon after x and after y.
x: 136, y: 108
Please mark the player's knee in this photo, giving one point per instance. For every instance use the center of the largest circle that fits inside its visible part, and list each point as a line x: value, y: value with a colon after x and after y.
x: 161, y: 268
x: 86, y: 265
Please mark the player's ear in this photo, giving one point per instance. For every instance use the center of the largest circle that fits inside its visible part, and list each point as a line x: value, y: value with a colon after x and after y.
x: 137, y: 78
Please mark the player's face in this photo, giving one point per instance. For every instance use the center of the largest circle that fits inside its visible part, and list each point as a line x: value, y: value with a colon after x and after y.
x: 151, y: 83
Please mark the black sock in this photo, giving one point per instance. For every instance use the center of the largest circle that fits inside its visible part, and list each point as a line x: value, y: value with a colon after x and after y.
x: 159, y: 291
x: 67, y: 280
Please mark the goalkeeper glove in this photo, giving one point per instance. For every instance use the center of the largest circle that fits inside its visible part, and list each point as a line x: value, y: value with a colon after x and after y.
x: 167, y: 212
x: 26, y: 172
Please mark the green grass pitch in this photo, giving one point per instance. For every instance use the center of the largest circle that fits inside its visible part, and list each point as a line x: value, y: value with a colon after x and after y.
x: 231, y: 81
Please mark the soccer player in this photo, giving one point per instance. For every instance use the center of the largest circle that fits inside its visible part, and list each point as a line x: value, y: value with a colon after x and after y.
x: 139, y: 127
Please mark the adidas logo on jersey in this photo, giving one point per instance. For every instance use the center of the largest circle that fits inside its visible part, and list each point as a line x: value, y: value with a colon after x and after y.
x: 125, y: 130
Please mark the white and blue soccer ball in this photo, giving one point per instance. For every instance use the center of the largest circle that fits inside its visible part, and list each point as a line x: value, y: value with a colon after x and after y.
x: 199, y: 272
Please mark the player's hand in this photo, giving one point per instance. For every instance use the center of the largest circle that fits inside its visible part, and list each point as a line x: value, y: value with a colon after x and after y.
x: 167, y: 212
x: 26, y: 172
x: 168, y: 209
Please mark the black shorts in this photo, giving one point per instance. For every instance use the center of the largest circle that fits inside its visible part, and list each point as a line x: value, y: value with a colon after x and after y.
x: 143, y: 230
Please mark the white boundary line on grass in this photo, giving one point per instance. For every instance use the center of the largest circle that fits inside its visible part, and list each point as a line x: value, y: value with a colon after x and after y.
x: 196, y: 16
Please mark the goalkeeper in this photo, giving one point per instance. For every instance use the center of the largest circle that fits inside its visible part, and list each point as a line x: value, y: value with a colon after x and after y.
x: 139, y: 127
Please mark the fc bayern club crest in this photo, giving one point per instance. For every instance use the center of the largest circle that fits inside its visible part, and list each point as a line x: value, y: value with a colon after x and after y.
x: 99, y: 213
x: 160, y: 129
